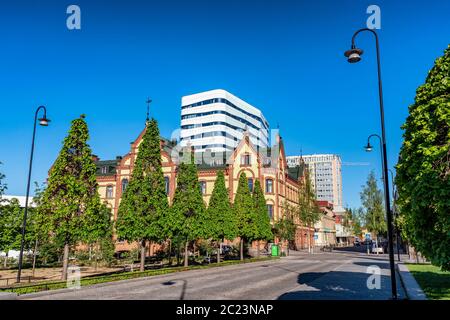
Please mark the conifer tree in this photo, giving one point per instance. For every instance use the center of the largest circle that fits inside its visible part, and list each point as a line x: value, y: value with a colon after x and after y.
x: 71, y: 196
x: 245, y: 213
x: 187, y: 218
x: 220, y: 217
x: 144, y: 201
x: 264, y: 229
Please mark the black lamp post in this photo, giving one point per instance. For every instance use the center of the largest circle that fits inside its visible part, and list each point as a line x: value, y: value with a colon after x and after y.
x: 354, y: 55
x: 43, y: 122
x: 394, y: 212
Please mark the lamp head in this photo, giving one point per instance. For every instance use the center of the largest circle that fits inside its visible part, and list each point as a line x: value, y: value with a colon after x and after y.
x: 353, y: 55
x: 368, y: 147
x: 44, y: 121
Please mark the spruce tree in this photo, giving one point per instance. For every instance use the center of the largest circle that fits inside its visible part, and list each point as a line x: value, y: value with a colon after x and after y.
x: 244, y: 213
x: 423, y: 170
x: 264, y: 229
x: 187, y: 218
x: 220, y: 217
x: 144, y: 201
x: 71, y: 196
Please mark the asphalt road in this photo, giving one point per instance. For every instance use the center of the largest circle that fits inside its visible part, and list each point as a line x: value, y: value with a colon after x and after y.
x: 336, y: 275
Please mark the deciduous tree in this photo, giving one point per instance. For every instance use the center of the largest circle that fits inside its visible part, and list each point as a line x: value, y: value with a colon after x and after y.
x: 423, y: 170
x: 263, y: 227
x: 144, y: 202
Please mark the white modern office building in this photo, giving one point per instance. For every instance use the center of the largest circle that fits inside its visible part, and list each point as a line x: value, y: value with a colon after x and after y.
x: 326, y: 176
x: 216, y: 120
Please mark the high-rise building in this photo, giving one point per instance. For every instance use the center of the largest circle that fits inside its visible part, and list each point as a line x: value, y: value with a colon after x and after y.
x: 216, y: 120
x: 326, y: 176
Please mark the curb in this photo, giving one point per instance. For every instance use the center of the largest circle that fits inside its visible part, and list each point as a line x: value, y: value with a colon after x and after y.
x: 8, y: 296
x: 409, y: 283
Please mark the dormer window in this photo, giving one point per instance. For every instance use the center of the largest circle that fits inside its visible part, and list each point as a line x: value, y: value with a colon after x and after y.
x: 104, y: 170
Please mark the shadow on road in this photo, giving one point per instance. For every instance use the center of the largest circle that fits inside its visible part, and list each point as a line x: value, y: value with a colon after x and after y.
x: 174, y: 281
x: 338, y: 285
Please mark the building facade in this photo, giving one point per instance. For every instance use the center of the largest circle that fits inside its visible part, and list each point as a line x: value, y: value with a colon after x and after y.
x: 325, y: 234
x: 280, y: 184
x: 216, y: 120
x: 326, y: 176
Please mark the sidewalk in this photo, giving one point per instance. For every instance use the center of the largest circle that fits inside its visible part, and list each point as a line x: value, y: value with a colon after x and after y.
x: 412, y: 288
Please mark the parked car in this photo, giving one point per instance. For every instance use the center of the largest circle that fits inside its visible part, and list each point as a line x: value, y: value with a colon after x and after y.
x: 377, y: 249
x: 357, y: 243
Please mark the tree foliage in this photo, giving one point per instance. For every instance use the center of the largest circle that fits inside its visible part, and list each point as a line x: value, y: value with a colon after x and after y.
x: 220, y: 217
x: 144, y: 202
x: 244, y: 210
x: 372, y: 203
x: 263, y: 227
x: 71, y: 198
x: 285, y: 227
x: 423, y: 170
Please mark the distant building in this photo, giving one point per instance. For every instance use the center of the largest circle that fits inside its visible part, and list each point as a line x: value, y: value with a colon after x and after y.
x: 325, y: 229
x: 216, y: 120
x: 326, y: 176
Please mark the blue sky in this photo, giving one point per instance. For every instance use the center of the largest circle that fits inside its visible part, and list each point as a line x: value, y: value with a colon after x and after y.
x: 284, y: 57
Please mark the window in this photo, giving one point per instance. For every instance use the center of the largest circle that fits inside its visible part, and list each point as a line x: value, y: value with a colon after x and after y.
x: 124, y: 184
x: 109, y: 192
x: 250, y: 184
x: 203, y: 187
x: 269, y: 186
x: 167, y: 184
x: 245, y: 160
x: 104, y: 170
x: 270, y: 211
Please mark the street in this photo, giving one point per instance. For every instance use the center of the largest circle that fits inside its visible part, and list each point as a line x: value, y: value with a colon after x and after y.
x: 339, y: 274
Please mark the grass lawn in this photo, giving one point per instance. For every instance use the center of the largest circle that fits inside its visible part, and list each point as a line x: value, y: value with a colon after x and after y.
x: 52, y: 285
x: 434, y: 282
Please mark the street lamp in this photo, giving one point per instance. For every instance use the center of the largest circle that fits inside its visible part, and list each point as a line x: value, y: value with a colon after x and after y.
x: 44, y: 121
x: 354, y: 55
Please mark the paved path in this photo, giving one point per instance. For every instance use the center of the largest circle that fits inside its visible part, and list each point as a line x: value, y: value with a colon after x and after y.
x: 337, y: 275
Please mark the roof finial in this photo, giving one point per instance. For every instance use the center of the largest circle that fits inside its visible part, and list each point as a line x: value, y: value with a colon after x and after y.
x: 148, y: 108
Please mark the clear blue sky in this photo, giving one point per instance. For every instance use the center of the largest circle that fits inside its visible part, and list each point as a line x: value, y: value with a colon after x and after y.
x: 284, y: 57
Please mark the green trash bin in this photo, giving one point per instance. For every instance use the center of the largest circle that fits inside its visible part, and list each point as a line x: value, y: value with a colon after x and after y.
x: 275, y: 250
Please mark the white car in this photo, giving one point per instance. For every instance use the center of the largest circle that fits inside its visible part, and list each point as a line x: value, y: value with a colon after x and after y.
x: 377, y: 249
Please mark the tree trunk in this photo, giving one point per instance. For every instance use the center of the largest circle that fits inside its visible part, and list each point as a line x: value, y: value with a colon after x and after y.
x: 170, y: 252
x: 218, y: 252
x: 288, y: 248
x: 309, y: 240
x: 5, y: 262
x: 242, y: 249
x: 142, y: 267
x: 65, y: 261
x: 186, y: 256
x: 90, y: 252
x: 34, y: 258
x: 97, y: 250
x: 257, y: 249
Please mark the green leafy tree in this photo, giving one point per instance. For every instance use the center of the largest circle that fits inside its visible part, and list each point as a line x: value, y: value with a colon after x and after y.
x: 423, y: 170
x: 71, y: 197
x: 285, y: 228
x: 308, y: 211
x: 221, y: 219
x: 263, y: 227
x: 11, y: 216
x: 144, y: 202
x: 188, y: 212
x: 99, y: 234
x: 356, y: 226
x: 373, y: 206
x: 245, y: 213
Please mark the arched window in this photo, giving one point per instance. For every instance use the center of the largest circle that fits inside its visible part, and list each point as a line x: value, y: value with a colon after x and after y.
x: 167, y: 184
x: 109, y: 192
x: 269, y: 185
x: 124, y: 184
